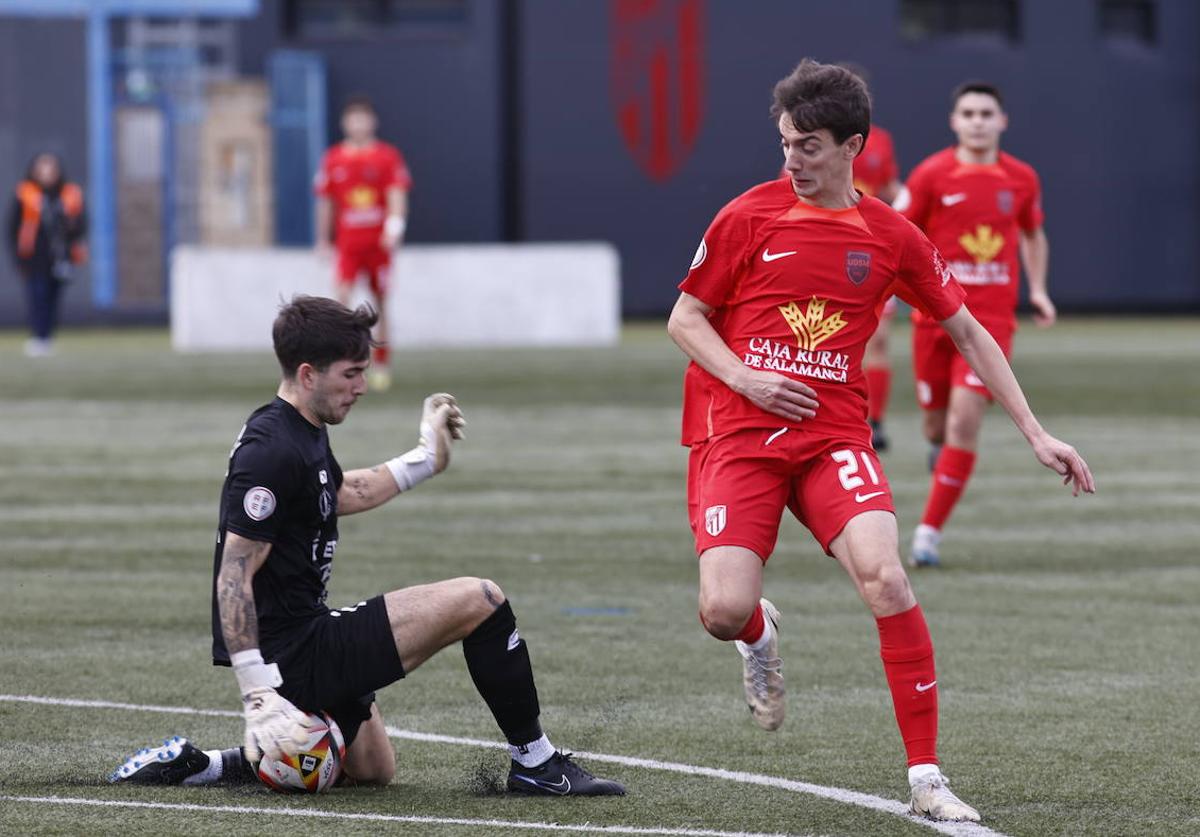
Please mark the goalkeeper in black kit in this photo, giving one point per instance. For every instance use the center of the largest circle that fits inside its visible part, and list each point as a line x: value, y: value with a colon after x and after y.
x: 293, y: 655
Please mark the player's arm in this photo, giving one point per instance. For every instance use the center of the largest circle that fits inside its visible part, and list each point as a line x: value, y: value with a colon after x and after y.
x: 980, y: 351
x: 1035, y: 256
x: 442, y: 423
x: 273, y: 725
x: 691, y: 330
x: 397, y: 217
x: 323, y: 222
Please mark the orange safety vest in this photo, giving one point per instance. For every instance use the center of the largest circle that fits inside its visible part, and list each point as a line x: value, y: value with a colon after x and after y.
x: 30, y: 197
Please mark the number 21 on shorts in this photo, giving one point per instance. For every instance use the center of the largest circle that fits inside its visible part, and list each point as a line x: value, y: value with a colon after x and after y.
x: 849, y: 473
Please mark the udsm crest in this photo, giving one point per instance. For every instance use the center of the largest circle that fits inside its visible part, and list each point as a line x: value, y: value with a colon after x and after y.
x: 658, y: 80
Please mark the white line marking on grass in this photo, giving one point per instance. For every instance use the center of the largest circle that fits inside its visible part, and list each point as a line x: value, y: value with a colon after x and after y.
x: 849, y: 797
x: 524, y: 825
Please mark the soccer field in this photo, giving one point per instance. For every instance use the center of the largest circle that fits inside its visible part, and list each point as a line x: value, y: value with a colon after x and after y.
x: 1065, y: 628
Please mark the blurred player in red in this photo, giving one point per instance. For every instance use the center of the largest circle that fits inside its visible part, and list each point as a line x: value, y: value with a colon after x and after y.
x: 775, y: 312
x: 877, y: 174
x: 362, y: 208
x: 982, y: 208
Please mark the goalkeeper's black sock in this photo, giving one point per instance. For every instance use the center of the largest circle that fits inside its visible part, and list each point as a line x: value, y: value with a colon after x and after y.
x: 499, y: 664
x: 235, y: 768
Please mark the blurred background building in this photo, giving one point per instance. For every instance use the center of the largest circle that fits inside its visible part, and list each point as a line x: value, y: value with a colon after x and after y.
x: 630, y: 121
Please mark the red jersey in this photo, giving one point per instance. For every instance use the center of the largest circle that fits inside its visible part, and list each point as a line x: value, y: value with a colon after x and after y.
x: 796, y: 290
x: 876, y: 167
x: 356, y: 181
x: 975, y: 214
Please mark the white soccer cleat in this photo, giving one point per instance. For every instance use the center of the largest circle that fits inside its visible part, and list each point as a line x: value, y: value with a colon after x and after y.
x: 763, y: 676
x: 925, y: 543
x: 932, y: 798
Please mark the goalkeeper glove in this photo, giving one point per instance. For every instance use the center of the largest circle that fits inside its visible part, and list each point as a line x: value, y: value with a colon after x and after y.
x: 441, y: 423
x: 274, y: 727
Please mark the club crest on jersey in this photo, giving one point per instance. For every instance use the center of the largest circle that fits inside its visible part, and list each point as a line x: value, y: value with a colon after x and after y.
x: 701, y: 255
x: 1005, y: 201
x: 858, y: 266
x: 714, y: 520
x: 259, y: 503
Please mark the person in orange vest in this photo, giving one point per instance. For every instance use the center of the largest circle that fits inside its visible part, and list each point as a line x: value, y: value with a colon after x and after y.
x: 46, y: 232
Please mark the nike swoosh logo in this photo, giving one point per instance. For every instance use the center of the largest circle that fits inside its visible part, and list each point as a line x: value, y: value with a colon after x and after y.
x: 562, y: 788
x: 862, y: 498
x: 768, y: 256
x: 925, y: 687
x: 957, y: 197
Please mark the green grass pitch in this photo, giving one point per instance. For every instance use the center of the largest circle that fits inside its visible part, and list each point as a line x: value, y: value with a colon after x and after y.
x: 1066, y: 629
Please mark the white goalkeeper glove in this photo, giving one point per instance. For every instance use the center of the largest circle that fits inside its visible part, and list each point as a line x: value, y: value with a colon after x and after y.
x: 274, y: 727
x: 441, y: 423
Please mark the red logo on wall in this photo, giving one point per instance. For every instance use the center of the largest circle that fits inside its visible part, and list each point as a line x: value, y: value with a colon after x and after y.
x: 658, y: 79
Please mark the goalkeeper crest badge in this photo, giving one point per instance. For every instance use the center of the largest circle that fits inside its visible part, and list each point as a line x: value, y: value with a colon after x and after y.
x: 259, y: 503
x: 714, y: 520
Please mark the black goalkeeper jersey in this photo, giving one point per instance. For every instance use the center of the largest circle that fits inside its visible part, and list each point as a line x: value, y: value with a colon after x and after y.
x: 281, y: 488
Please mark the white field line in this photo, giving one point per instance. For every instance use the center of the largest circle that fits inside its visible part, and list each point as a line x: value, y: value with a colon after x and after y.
x: 849, y: 797
x: 523, y: 825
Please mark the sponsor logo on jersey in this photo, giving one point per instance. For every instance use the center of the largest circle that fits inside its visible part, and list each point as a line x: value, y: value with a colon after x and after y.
x: 940, y: 267
x: 858, y: 266
x: 810, y: 325
x: 1005, y: 201
x: 322, y: 476
x: 325, y: 502
x: 951, y: 200
x: 714, y: 520
x: 701, y: 255
x: 768, y: 256
x: 259, y: 503
x: 361, y: 196
x: 983, y: 244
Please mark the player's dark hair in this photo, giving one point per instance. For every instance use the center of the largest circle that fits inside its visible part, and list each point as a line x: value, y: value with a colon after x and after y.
x: 976, y: 86
x: 818, y: 96
x: 358, y: 101
x: 320, y: 331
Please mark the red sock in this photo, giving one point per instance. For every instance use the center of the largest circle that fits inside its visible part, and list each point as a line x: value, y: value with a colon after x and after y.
x: 381, y: 355
x: 907, y: 653
x: 879, y: 388
x: 950, y: 476
x: 752, y: 631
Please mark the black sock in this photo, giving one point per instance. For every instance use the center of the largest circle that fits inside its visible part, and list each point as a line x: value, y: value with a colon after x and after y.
x: 503, y: 675
x: 235, y: 768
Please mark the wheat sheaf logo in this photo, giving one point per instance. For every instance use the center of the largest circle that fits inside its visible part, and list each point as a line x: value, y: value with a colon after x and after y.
x: 810, y: 325
x: 983, y: 244
x: 361, y: 196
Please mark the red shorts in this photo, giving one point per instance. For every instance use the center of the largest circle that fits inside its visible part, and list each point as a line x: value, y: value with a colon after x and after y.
x: 373, y: 261
x: 937, y: 365
x: 740, y: 483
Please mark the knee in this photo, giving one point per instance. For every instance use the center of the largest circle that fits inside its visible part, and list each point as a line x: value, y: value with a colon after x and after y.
x: 962, y: 431
x: 724, y: 616
x: 935, y: 428
x: 380, y: 772
x: 886, y: 589
x: 479, y: 597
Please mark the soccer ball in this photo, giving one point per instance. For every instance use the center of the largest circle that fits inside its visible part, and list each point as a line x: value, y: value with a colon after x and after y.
x: 315, y: 768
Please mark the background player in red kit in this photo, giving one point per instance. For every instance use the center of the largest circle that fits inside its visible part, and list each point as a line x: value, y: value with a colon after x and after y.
x: 982, y: 208
x: 779, y: 302
x: 362, y: 199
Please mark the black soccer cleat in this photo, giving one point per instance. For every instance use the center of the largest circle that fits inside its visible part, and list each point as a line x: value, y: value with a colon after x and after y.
x: 169, y: 764
x: 559, y: 776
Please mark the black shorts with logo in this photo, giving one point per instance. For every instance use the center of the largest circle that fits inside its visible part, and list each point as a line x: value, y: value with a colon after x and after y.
x: 336, y: 665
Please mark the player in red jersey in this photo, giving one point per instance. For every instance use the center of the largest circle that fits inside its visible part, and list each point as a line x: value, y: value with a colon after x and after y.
x: 362, y: 207
x: 982, y: 208
x: 775, y: 312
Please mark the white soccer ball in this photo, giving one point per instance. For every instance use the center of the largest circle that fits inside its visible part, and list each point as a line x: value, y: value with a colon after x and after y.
x: 315, y: 768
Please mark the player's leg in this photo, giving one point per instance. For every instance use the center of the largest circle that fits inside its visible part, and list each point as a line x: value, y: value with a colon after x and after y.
x: 933, y: 359
x: 370, y: 758
x: 868, y: 549
x: 345, y: 273
x: 380, y: 374
x: 427, y: 618
x: 877, y: 366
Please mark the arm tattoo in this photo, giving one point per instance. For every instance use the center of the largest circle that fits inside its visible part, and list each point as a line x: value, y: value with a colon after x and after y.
x: 361, y: 489
x: 235, y: 596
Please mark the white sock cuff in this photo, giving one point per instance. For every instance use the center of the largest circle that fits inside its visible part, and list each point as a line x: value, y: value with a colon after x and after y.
x: 922, y: 771
x: 533, y: 753
x: 767, y: 635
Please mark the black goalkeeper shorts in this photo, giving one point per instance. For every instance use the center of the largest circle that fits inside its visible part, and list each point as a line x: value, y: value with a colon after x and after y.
x: 338, y: 663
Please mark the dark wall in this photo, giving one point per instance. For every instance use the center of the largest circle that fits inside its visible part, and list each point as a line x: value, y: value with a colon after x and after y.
x: 43, y: 107
x: 439, y: 98
x: 1111, y: 127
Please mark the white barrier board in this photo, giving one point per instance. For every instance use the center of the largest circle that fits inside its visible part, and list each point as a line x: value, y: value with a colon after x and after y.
x: 225, y: 299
